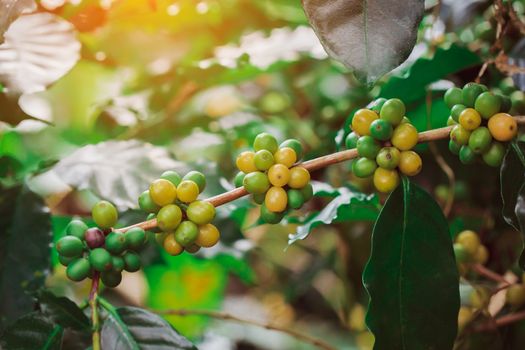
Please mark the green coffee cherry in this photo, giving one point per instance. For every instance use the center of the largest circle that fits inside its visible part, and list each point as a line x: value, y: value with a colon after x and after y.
x: 351, y: 140
x: 295, y: 199
x: 453, y: 96
x: 381, y: 129
x: 131, y: 261
x: 392, y: 112
x: 147, y: 204
x: 307, y: 192
x: 388, y: 158
x: 263, y: 160
x: 454, y: 147
x: 487, y: 104
x: 116, y: 242
x: 118, y: 263
x: 256, y: 182
x: 470, y: 93
x: 368, y: 147
x: 78, y: 270
x: 494, y: 154
x: 258, y: 198
x: 460, y: 135
x: 270, y: 217
x: 198, y: 178
x: 237, y: 181
x: 377, y: 104
x: 169, y: 217
x: 100, y: 259
x: 105, y: 214
x: 466, y: 155
x: 111, y: 278
x: 480, y: 140
x: 186, y: 233
x: 364, y: 167
x: 462, y: 256
x: 201, y: 212
x: 171, y: 176
x: 265, y: 141
x: 135, y: 238
x: 76, y: 228
x: 506, y: 103
x: 65, y: 261
x: 70, y: 246
x: 456, y: 111
x: 295, y: 145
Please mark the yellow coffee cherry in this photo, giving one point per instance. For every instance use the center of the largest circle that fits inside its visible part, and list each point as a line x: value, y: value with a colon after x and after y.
x: 516, y: 295
x: 357, y: 318
x: 171, y: 246
x: 503, y: 127
x: 470, y: 119
x: 479, y: 298
x: 188, y: 191
x: 410, y: 163
x: 285, y: 156
x: 385, y: 180
x: 404, y: 137
x: 470, y: 241
x: 245, y: 162
x: 299, y: 177
x: 276, y: 199
x: 279, y: 175
x: 162, y: 192
x: 362, y: 120
x: 464, y: 316
x: 482, y: 255
x: 208, y: 236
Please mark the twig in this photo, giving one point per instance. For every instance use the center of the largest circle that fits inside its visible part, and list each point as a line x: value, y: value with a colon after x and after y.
x: 229, y: 317
x: 515, y: 20
x: 501, y: 321
x: 95, y: 321
x: 482, y: 270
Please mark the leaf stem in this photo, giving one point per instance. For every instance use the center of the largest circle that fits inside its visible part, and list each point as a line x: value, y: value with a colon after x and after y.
x: 95, y: 320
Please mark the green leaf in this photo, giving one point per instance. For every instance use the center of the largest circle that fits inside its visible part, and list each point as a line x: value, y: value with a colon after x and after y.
x: 512, y: 175
x: 520, y: 215
x: 411, y: 85
x: 135, y: 328
x: 347, y: 205
x: 25, y: 240
x: 62, y: 311
x: 370, y: 37
x: 411, y: 275
x: 32, y: 331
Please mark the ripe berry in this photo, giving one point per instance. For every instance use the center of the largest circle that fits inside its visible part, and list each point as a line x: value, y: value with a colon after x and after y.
x: 265, y: 141
x: 245, y: 162
x: 69, y: 246
x: 256, y: 182
x: 295, y: 145
x: 263, y: 160
x: 171, y: 176
x: 453, y: 96
x: 188, y: 191
x: 147, y: 204
x: 111, y: 279
x: 393, y: 111
x: 469, y: 119
x: 100, y: 259
x: 381, y: 129
x: 470, y: 93
x: 459, y: 135
x: 388, y: 157
x: 285, y: 156
x: 299, y: 177
x: 186, y: 233
x: 95, y: 238
x: 169, y: 217
x: 78, y: 269
x: 276, y: 199
x: 368, y: 147
x: 201, y: 212
x: 118, y: 263
x: 404, y: 137
x: 279, y: 175
x: 410, y: 163
x: 171, y: 246
x: 493, y: 156
x: 351, y: 140
x: 131, y: 262
x: 467, y: 155
x: 488, y: 104
x: 516, y: 295
x: 192, y: 248
x: 162, y: 192
x: 105, y: 214
x: 197, y: 177
x: 385, y: 180
x: 295, y: 199
x: 135, y: 238
x: 270, y: 217
x: 237, y: 181
x: 362, y: 120
x: 480, y: 140
x: 470, y: 241
x: 503, y: 127
x: 455, y: 112
x: 364, y: 167
x: 76, y: 228
x: 208, y: 236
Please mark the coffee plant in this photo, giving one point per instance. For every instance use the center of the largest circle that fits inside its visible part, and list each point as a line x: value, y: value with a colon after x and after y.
x: 324, y: 174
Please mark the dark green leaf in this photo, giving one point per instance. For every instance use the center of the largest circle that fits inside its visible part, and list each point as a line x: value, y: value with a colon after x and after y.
x: 62, y: 311
x: 25, y: 239
x: 411, y: 275
x: 371, y: 37
x: 135, y: 328
x: 30, y: 332
x: 512, y: 176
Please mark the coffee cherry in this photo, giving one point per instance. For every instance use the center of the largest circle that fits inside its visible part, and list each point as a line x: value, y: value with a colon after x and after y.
x: 295, y: 145
x: 465, y: 315
x: 188, y: 191
x: 459, y: 135
x: 111, y: 279
x: 462, y: 256
x: 455, y: 112
x: 469, y: 119
x: 404, y: 137
x: 295, y: 199
x: 186, y: 233
x: 385, y: 180
x: 100, y: 259
x: 469, y: 240
x: 279, y: 175
x: 506, y: 103
x: 516, y: 295
x: 482, y: 255
x: 493, y: 156
x: 237, y: 181
x: 270, y: 217
x: 169, y: 217
x: 245, y: 162
x: 197, y: 177
x: 162, y: 192
x: 451, y: 121
x: 65, y: 261
x: 265, y: 141
x: 69, y: 246
x: 105, y: 214
x: 135, y: 238
x: 201, y: 212
x: 171, y: 246
x: 454, y: 147
x: 258, y: 198
x: 131, y: 262
x: 381, y: 130
x: 299, y: 177
x: 147, y: 204
x: 368, y: 147
x: 263, y: 160
x: 285, y: 156
x: 160, y: 237
x: 307, y: 192
x: 171, y: 176
x: 377, y: 104
x: 488, y: 104
x: 470, y: 93
x: 95, y: 238
x: 503, y: 127
x: 256, y: 182
x: 362, y: 120
x: 76, y: 228
x: 276, y: 199
x: 208, y: 236
x: 192, y: 248
x: 453, y: 96
x: 480, y: 140
x: 364, y: 167
x: 393, y: 111
x: 388, y: 157
x: 78, y: 270
x: 351, y: 140
x: 410, y: 163
x: 467, y: 155
x: 118, y: 263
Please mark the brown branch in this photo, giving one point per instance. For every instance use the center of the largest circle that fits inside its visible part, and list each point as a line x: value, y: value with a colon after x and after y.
x: 229, y: 317
x: 482, y: 270
x: 501, y: 321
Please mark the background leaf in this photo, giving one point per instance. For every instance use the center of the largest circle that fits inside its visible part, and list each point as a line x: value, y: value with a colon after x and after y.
x: 411, y: 275
x: 371, y: 37
x: 62, y: 311
x: 32, y: 331
x: 512, y: 174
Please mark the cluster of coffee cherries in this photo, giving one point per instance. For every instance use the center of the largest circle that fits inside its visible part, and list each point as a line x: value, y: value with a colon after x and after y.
x: 384, y: 139
x: 468, y: 249
x: 481, y: 124
x: 270, y: 174
x: 85, y: 251
x: 185, y: 222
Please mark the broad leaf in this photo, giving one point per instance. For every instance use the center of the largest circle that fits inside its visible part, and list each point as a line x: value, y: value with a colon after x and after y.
x: 25, y: 239
x: 411, y: 275
x: 520, y: 215
x: 347, y: 205
x: 512, y: 175
x: 32, y: 331
x: 117, y: 170
x: 10, y: 10
x: 62, y: 311
x: 371, y: 37
x: 135, y: 328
